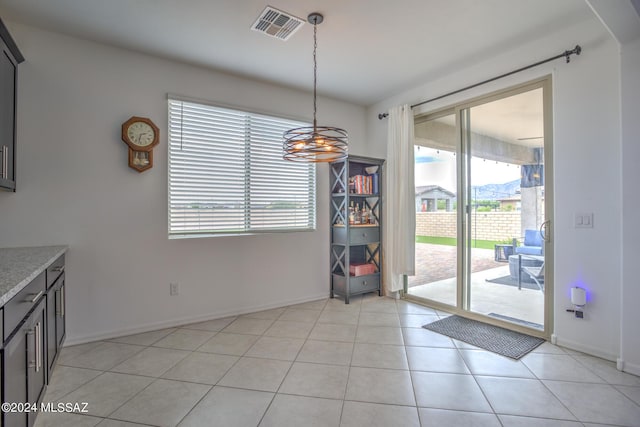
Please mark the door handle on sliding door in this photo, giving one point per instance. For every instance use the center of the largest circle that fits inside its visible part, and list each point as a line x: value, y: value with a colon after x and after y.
x: 544, y: 227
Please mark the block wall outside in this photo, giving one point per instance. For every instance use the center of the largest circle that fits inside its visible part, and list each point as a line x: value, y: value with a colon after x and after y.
x: 495, y: 226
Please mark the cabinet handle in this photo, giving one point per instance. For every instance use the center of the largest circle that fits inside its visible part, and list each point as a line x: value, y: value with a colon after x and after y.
x: 32, y: 363
x: 58, y: 298
x: 34, y: 297
x: 5, y: 161
x: 364, y: 283
x: 62, y: 301
x: 58, y: 269
x: 38, y: 347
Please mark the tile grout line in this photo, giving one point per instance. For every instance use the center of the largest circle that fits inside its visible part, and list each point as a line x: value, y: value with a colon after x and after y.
x: 128, y: 400
x: 475, y: 380
x: 570, y: 411
x: 87, y: 382
x: 575, y: 358
x: 243, y: 355
x: 155, y: 378
x: 624, y: 394
x: 535, y: 378
x: 275, y: 394
x: 349, y: 366
x: 211, y: 387
x: 413, y: 387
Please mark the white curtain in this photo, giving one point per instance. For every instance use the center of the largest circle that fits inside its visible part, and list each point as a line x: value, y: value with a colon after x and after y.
x: 399, y: 238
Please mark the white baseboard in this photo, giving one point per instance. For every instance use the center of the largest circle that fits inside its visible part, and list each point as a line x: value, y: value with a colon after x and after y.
x: 621, y: 364
x: 593, y: 351
x: 147, y: 327
x: 631, y: 368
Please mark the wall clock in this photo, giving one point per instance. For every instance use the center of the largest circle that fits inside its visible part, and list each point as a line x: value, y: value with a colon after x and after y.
x: 141, y: 135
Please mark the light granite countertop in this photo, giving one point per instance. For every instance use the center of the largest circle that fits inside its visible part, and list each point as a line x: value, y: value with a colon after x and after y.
x: 19, y: 266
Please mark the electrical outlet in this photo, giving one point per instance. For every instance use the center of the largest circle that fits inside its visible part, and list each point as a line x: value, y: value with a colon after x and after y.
x: 174, y: 289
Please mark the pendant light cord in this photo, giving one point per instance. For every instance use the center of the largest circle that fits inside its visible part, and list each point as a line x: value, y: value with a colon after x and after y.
x: 315, y: 73
x: 315, y: 144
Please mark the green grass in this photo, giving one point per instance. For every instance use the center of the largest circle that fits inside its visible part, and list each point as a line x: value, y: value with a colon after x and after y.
x: 450, y: 241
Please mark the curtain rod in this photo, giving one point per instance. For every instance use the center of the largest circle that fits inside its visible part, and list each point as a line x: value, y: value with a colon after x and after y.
x: 566, y: 54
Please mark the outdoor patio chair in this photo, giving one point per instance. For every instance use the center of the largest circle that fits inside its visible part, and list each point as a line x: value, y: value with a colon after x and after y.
x: 532, y: 244
x: 537, y: 274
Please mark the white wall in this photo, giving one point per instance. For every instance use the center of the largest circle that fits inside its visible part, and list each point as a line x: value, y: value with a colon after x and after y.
x: 586, y: 150
x: 74, y: 187
x: 630, y: 89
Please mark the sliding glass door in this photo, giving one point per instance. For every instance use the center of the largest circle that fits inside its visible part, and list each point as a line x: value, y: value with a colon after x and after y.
x: 482, y: 200
x: 436, y: 209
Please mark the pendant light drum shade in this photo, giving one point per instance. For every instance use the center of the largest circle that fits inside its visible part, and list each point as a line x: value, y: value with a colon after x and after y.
x: 315, y: 144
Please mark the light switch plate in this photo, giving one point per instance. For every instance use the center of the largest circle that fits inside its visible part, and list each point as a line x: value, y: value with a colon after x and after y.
x: 174, y: 289
x: 583, y: 220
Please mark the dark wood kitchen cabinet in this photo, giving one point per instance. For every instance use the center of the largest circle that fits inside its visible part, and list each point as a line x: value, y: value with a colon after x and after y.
x: 10, y: 57
x: 25, y: 367
x: 32, y: 324
x: 55, y: 318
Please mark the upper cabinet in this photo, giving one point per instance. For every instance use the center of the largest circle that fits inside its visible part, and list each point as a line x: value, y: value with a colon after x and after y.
x: 9, y: 60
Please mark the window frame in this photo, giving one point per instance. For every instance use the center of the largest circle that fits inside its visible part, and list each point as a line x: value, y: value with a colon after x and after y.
x: 311, y: 211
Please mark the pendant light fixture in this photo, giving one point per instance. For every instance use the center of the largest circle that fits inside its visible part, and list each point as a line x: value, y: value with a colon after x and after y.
x: 315, y: 144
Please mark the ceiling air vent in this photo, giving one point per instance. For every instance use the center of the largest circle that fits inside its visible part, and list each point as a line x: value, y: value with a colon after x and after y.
x: 276, y: 23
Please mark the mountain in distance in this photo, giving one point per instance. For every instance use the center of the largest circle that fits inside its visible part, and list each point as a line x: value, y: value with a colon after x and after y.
x: 495, y: 191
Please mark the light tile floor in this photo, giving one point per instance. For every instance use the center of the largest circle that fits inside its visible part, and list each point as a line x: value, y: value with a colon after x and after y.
x: 325, y: 363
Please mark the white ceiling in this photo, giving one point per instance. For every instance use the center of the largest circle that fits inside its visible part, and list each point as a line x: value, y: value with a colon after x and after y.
x: 367, y: 49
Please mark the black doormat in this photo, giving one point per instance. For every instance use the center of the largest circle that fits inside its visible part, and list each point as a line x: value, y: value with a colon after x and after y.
x: 492, y: 338
x: 507, y: 280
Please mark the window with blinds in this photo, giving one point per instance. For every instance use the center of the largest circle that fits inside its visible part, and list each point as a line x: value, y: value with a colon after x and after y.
x: 227, y: 174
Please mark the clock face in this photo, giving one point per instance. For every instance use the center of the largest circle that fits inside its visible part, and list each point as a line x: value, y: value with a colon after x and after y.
x: 141, y: 134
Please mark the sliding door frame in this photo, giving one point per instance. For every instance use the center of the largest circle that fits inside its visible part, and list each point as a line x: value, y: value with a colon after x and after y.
x: 461, y: 111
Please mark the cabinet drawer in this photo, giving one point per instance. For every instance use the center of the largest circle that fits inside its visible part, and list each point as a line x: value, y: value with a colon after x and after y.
x: 364, y: 235
x: 357, y: 235
x: 19, y: 306
x: 370, y: 282
x: 55, y: 270
x: 357, y: 285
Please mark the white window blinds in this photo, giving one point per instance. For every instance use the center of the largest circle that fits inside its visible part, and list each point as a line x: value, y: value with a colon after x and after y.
x: 227, y: 174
